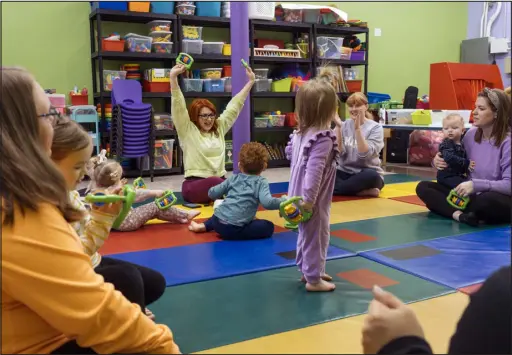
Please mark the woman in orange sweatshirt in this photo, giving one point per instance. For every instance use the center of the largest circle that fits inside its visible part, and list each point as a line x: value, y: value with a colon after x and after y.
x: 52, y: 300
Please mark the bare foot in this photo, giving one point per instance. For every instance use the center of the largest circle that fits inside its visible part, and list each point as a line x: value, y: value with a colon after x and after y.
x: 322, y: 286
x: 149, y: 314
x: 369, y: 193
x: 325, y: 277
x: 192, y: 214
x: 197, y: 227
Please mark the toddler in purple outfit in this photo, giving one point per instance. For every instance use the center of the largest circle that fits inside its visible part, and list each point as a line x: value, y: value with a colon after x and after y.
x: 312, y: 151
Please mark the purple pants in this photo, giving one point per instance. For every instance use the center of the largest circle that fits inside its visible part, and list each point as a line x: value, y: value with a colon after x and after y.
x: 195, y: 190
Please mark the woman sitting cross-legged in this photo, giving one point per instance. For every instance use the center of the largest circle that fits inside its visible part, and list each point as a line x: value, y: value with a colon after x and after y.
x: 201, y: 133
x: 488, y: 145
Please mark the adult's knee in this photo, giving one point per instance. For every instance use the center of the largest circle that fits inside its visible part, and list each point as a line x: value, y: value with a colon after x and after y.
x: 374, y: 179
x: 422, y: 189
x: 154, y: 286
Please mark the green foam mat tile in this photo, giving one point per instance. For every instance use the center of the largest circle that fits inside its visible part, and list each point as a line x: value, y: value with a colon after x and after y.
x: 395, y: 230
x: 214, y: 313
x: 398, y: 178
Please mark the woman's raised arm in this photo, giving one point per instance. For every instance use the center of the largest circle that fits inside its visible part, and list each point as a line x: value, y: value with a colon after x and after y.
x: 179, y: 110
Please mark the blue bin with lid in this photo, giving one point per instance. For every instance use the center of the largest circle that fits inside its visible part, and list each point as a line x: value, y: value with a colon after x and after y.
x: 162, y: 7
x: 110, y: 5
x: 375, y: 98
x: 208, y: 8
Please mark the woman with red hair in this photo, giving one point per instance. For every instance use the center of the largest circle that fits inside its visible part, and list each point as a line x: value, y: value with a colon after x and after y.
x: 201, y: 133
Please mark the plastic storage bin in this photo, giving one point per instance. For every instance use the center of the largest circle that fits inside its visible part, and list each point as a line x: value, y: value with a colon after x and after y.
x: 208, y: 8
x: 211, y: 73
x: 112, y: 46
x: 262, y: 85
x: 293, y: 15
x: 283, y: 85
x: 192, y: 32
x: 192, y: 46
x: 311, y: 15
x: 213, y: 47
x: 110, y: 5
x: 226, y: 49
x: 354, y: 85
x: 421, y: 117
x: 192, y: 85
x: 159, y: 25
x: 213, y: 85
x: 162, y: 7
x: 161, y: 36
x: 138, y: 43
x: 161, y: 47
x: 109, y: 76
x: 375, y: 97
x: 359, y: 55
x: 163, y: 153
x: 227, y: 84
x: 261, y: 122
x: 261, y: 73
x: 163, y: 121
x: 138, y: 6
x: 185, y: 9
x: 276, y: 120
x: 329, y: 47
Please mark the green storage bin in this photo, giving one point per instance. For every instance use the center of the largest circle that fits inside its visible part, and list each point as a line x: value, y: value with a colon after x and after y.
x: 421, y: 118
x: 284, y: 85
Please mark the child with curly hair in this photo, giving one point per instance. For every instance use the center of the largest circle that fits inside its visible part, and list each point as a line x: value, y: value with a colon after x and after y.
x: 313, y: 151
x: 233, y: 219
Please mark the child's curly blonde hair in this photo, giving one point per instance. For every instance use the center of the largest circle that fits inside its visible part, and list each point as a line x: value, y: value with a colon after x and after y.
x: 106, y: 173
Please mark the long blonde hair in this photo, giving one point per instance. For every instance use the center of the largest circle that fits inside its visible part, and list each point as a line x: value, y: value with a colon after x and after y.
x: 316, y: 104
x: 28, y: 176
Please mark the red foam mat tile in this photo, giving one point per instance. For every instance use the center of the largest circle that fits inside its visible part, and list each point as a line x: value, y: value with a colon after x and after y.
x: 413, y: 199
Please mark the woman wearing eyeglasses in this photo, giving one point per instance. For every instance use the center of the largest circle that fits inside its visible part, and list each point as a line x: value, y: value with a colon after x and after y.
x: 202, y: 137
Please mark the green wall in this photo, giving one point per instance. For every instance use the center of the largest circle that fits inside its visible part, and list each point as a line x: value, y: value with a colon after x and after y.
x: 56, y: 48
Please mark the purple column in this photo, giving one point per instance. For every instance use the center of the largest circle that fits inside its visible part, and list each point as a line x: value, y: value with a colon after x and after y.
x: 240, y: 50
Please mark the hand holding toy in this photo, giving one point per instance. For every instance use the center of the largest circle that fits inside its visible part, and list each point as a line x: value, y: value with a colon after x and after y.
x: 293, y: 212
x: 99, y: 198
x: 166, y: 201
x: 459, y: 202
x: 185, y: 59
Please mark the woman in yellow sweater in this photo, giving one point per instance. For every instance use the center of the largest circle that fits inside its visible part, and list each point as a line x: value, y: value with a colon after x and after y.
x: 201, y: 135
x: 52, y: 300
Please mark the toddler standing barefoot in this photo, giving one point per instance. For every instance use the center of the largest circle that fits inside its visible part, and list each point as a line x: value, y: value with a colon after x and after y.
x: 312, y: 151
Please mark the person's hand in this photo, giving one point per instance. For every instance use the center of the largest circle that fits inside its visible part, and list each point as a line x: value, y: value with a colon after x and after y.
x: 307, y: 206
x: 465, y: 188
x: 388, y: 319
x: 359, y: 119
x: 158, y: 193
x: 124, y: 181
x: 250, y: 75
x: 439, y: 162
x: 177, y: 70
x: 472, y: 165
x: 337, y: 120
x: 112, y: 209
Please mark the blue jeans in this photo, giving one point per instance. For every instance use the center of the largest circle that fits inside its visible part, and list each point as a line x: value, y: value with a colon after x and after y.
x: 256, y: 229
x: 351, y: 184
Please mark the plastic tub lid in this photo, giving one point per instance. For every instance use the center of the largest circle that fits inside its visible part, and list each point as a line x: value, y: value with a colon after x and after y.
x: 185, y: 5
x: 134, y: 35
x: 158, y: 21
x: 192, y: 40
x: 160, y: 32
x: 214, y: 43
x: 214, y: 79
x: 211, y: 69
x: 161, y: 43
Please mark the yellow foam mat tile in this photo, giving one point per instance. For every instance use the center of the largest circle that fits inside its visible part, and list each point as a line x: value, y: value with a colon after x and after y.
x: 438, y: 316
x: 398, y: 190
x: 206, y: 212
x: 348, y: 211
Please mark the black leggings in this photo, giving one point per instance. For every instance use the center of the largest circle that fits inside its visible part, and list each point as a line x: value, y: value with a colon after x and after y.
x: 490, y: 207
x: 351, y: 184
x: 137, y: 283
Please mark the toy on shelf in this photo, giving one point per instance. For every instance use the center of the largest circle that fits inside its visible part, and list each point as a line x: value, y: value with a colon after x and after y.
x: 281, y: 53
x: 293, y: 213
x: 139, y: 183
x: 459, y: 202
x: 185, y: 59
x: 99, y: 198
x: 166, y: 201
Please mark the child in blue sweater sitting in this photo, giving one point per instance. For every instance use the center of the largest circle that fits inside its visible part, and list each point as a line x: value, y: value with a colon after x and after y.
x: 233, y: 219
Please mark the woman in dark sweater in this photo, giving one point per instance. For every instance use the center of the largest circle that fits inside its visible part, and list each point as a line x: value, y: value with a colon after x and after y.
x: 391, y: 327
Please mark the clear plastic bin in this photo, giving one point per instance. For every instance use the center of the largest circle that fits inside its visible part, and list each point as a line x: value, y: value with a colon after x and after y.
x: 261, y: 122
x: 227, y: 84
x: 159, y: 25
x: 262, y: 85
x: 192, y: 46
x: 214, y: 85
x: 161, y: 36
x: 276, y: 120
x: 261, y: 73
x: 212, y: 47
x: 185, y: 9
x: 192, y: 85
x: 161, y: 47
x: 192, y: 32
x: 138, y: 43
x: 163, y: 153
x: 109, y: 76
x: 329, y: 47
x: 211, y: 73
x: 163, y: 121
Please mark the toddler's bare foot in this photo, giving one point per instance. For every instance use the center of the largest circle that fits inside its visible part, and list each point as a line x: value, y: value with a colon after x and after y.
x: 322, y: 286
x: 197, y: 227
x: 369, y: 193
x: 325, y: 277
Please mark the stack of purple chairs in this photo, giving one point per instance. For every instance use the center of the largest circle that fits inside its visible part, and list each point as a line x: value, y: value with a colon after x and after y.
x: 131, y: 133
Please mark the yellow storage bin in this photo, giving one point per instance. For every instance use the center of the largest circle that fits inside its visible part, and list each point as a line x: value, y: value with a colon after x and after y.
x: 421, y: 117
x: 138, y: 6
x: 226, y: 49
x: 284, y: 85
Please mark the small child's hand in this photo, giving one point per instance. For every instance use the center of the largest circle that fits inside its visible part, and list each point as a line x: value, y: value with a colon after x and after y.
x: 472, y: 165
x: 124, y: 181
x: 307, y: 206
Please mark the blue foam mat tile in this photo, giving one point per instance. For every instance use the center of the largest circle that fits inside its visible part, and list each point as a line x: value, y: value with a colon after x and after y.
x: 208, y: 261
x: 455, y: 262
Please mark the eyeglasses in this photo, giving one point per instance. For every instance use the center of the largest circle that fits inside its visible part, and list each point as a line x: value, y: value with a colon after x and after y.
x: 51, y: 116
x: 210, y: 116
